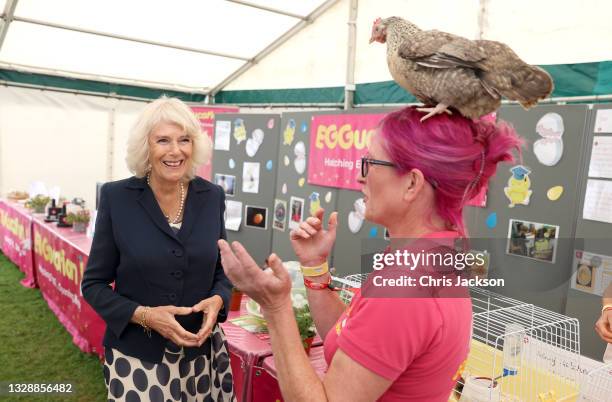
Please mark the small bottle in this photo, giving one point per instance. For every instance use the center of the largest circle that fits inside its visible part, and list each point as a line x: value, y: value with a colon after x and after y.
x: 513, y: 348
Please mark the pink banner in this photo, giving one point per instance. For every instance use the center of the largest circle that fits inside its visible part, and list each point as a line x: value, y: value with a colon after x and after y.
x: 16, y: 238
x: 337, y: 143
x: 206, y: 116
x: 60, y: 258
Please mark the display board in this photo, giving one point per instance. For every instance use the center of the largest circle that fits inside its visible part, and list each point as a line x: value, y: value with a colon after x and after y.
x: 592, y: 251
x: 245, y: 164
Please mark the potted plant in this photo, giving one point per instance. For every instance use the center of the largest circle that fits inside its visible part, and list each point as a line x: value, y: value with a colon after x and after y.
x: 236, y: 299
x: 301, y: 310
x: 79, y: 220
x: 38, y: 203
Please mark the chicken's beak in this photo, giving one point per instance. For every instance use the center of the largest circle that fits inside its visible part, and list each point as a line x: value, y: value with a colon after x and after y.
x: 372, y: 39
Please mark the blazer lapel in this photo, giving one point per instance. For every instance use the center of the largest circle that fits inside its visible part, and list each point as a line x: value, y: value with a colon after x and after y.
x: 195, y: 202
x: 147, y: 200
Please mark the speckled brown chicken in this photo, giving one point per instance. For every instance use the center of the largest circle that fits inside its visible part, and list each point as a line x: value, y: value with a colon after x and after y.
x: 448, y: 71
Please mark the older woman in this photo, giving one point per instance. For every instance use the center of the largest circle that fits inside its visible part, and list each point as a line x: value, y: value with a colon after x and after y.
x: 416, y: 179
x: 156, y: 239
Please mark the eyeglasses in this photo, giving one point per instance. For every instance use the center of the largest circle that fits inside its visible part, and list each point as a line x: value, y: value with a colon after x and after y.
x: 366, y: 162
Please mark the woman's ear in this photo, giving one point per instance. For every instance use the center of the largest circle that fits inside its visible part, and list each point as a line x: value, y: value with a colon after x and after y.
x: 413, y: 184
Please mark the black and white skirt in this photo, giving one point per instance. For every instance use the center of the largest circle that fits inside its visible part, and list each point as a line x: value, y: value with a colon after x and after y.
x: 207, y: 379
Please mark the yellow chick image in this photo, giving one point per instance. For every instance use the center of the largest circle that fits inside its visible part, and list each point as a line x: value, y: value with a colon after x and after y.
x: 315, y: 203
x: 518, y: 191
x: 289, y: 132
x: 240, y: 132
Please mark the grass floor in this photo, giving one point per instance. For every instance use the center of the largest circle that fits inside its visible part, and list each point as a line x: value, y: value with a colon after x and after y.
x: 35, y: 347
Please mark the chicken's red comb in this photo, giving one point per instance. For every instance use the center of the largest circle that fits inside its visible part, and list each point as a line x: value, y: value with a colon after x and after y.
x: 377, y: 21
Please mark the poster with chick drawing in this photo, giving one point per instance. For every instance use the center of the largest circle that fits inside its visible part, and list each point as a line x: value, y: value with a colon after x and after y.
x: 518, y: 190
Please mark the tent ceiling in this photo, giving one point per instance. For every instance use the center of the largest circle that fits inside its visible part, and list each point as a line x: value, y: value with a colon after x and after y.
x: 232, y: 28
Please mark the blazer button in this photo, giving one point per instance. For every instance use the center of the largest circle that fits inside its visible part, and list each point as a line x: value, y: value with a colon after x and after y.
x: 172, y: 296
x: 177, y: 253
x: 177, y: 274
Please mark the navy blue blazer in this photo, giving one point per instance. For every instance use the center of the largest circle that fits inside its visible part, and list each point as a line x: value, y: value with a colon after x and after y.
x: 134, y: 247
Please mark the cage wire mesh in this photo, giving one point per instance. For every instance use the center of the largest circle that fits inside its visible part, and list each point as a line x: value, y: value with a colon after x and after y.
x: 597, y: 385
x: 519, y: 352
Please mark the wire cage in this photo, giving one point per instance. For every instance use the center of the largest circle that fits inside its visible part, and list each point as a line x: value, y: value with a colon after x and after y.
x: 519, y: 352
x: 349, y: 285
x: 597, y: 385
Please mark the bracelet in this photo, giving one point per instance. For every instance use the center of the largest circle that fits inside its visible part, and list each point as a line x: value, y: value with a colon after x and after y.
x: 320, y: 285
x: 606, y: 307
x: 315, y: 271
x: 143, y: 321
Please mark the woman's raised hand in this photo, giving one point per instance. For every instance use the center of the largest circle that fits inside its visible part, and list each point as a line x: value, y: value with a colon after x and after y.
x: 271, y: 288
x: 311, y: 242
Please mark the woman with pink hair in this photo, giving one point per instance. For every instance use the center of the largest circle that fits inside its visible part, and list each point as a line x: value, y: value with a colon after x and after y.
x: 416, y: 180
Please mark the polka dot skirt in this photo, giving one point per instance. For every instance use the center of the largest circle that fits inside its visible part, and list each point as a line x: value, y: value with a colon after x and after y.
x: 202, y: 379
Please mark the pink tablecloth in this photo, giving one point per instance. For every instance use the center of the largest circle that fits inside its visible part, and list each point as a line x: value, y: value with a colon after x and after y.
x: 60, y: 258
x: 265, y: 383
x: 16, y: 238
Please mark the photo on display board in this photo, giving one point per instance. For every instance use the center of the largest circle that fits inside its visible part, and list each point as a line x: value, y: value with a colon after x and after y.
x: 532, y: 240
x: 592, y: 273
x: 227, y: 183
x: 256, y: 217
x: 280, y: 215
x: 585, y: 276
x: 296, y: 209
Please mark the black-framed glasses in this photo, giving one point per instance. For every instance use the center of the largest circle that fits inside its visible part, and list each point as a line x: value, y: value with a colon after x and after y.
x: 366, y: 162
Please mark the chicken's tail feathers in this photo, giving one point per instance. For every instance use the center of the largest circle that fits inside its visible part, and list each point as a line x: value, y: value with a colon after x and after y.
x: 527, y: 84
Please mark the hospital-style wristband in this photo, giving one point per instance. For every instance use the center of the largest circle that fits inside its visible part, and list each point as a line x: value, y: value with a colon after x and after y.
x: 606, y: 307
x: 315, y: 271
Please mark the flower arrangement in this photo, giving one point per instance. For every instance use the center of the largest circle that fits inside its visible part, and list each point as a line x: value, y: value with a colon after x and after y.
x: 79, y: 220
x: 81, y: 215
x: 38, y: 203
x: 301, y: 310
x: 254, y: 321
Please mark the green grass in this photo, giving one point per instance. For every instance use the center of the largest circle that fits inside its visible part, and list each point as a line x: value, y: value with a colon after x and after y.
x: 35, y: 347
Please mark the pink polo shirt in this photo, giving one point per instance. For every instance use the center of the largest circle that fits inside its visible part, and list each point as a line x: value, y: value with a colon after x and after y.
x: 417, y: 343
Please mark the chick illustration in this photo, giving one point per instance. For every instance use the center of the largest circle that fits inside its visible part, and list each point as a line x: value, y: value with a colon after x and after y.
x: 315, y: 203
x: 289, y: 132
x: 240, y: 132
x: 518, y: 191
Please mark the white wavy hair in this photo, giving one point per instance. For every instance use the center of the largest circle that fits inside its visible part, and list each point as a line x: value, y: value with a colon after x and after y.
x: 166, y: 110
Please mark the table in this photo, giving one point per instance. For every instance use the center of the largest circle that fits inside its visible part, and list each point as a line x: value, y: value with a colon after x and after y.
x: 60, y: 258
x: 16, y: 238
x: 265, y: 383
x: 248, y: 352
x: 54, y: 259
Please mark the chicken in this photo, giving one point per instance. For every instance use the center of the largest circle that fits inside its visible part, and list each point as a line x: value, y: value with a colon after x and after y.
x: 448, y: 71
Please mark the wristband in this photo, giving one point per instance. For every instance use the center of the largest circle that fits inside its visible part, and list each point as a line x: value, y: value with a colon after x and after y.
x: 315, y: 271
x: 320, y: 285
x: 606, y: 307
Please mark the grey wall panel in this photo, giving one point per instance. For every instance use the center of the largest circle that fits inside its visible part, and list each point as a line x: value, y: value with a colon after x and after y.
x: 257, y: 241
x: 529, y: 280
x: 289, y: 178
x: 345, y: 255
x: 595, y: 237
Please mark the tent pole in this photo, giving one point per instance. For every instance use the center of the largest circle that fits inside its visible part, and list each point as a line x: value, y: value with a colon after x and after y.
x: 349, y: 88
x: 128, y: 38
x: 271, y: 47
x: 269, y: 9
x: 7, y: 18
